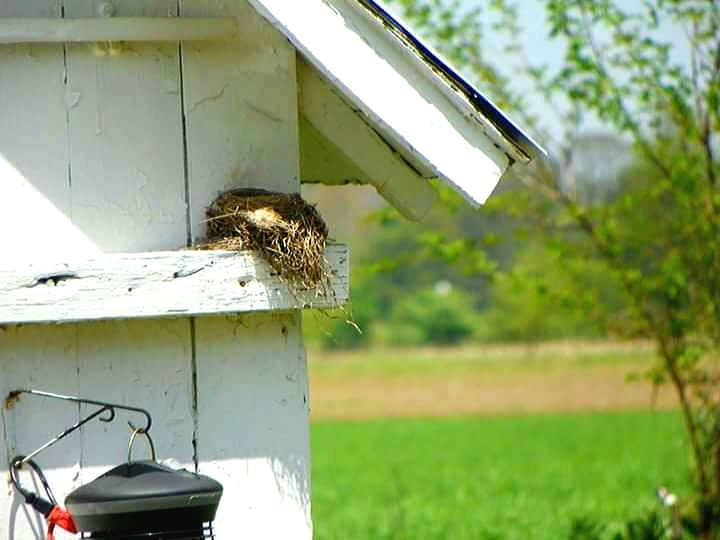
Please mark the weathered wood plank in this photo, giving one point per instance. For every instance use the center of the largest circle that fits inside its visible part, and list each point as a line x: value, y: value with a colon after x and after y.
x: 145, y: 363
x: 159, y: 284
x: 43, y: 357
x: 126, y: 136
x: 253, y: 408
x: 241, y: 113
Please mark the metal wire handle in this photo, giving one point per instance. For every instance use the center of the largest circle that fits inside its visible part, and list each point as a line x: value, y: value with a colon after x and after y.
x: 16, y: 465
x: 135, y: 433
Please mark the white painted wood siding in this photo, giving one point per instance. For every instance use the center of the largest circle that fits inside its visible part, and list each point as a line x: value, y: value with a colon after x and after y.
x: 126, y: 161
x: 119, y: 149
x: 34, y: 146
x: 253, y: 435
x: 240, y: 106
x: 28, y: 357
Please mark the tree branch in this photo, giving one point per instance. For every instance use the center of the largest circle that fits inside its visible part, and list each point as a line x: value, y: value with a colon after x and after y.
x: 632, y: 125
x: 670, y: 358
x: 669, y: 355
x: 707, y: 141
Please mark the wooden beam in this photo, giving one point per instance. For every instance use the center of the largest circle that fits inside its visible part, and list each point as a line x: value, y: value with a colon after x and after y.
x: 158, y: 284
x: 103, y: 29
x: 323, y: 162
x: 339, y: 147
x: 400, y: 97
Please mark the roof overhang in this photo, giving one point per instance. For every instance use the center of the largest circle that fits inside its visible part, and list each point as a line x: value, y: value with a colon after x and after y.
x: 378, y: 106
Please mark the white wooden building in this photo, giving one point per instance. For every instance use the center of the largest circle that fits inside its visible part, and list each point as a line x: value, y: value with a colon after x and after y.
x: 120, y: 121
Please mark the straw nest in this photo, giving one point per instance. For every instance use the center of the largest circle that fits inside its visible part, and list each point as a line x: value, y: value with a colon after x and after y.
x: 285, y: 230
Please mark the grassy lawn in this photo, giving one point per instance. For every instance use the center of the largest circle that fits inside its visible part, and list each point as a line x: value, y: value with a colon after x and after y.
x: 523, y: 477
x: 487, y: 442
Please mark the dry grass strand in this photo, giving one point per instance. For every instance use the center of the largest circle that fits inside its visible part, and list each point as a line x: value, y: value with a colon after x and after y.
x: 284, y: 229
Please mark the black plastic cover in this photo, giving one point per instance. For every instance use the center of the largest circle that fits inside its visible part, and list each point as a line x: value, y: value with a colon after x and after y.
x: 144, y: 496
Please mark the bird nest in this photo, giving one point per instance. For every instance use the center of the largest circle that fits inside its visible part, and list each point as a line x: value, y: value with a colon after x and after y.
x: 286, y: 231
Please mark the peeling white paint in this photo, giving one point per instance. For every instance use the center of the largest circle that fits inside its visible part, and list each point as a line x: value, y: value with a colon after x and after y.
x: 72, y: 99
x: 209, y: 99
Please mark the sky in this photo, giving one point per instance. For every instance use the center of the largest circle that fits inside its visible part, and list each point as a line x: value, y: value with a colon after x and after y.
x: 540, y: 48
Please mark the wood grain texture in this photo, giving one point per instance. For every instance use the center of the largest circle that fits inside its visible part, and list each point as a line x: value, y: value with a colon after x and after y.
x: 158, y: 284
x: 126, y: 144
x: 240, y: 109
x: 253, y: 434
x: 32, y: 356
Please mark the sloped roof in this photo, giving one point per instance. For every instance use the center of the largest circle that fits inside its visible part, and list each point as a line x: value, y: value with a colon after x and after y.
x: 510, y: 133
x: 403, y: 95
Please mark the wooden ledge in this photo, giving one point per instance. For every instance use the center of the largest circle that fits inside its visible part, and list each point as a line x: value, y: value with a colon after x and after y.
x: 158, y: 284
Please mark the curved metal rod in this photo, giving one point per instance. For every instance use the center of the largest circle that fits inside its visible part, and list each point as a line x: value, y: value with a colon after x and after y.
x: 105, y: 407
x: 110, y: 416
x: 151, y: 445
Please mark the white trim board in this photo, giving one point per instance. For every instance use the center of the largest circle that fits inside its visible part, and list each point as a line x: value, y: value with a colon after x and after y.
x: 158, y: 284
x: 103, y: 29
x: 337, y: 148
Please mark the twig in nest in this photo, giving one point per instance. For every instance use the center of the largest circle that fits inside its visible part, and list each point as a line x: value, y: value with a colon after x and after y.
x: 285, y: 230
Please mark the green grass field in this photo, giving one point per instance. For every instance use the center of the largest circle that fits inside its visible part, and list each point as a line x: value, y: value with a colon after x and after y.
x: 523, y: 477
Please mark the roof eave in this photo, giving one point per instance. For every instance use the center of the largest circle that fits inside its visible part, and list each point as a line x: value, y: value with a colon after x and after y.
x: 513, y: 139
x: 422, y: 109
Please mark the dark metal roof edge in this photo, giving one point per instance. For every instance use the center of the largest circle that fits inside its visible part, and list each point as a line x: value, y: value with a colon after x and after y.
x: 507, y: 128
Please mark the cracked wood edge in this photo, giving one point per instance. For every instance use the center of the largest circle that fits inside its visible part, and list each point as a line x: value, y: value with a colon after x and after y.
x: 159, y: 284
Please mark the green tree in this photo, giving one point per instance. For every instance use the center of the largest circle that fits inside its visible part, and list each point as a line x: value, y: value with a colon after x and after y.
x: 658, y: 234
x: 441, y: 315
x: 546, y: 296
